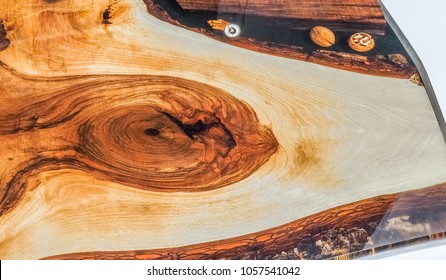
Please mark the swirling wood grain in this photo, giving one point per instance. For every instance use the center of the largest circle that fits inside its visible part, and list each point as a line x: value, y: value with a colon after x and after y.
x: 153, y: 133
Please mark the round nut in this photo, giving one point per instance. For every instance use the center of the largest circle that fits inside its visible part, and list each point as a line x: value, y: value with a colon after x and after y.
x: 322, y: 36
x: 361, y: 42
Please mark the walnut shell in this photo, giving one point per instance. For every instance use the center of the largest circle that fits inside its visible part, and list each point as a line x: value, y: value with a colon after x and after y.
x: 322, y: 36
x: 361, y: 42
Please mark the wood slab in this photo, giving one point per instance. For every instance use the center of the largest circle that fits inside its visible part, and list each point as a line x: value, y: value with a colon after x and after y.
x: 127, y: 136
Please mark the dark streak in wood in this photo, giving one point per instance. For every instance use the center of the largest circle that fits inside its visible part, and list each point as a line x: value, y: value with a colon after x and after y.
x: 106, y: 16
x: 193, y: 129
x: 152, y: 132
x: 4, y: 42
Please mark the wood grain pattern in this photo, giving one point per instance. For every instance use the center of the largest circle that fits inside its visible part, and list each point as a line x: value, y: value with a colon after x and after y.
x: 359, y: 11
x: 137, y: 138
x: 352, y: 229
x: 163, y: 134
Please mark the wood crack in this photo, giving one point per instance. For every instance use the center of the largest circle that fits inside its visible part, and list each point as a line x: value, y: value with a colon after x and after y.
x: 192, y: 130
x: 4, y: 42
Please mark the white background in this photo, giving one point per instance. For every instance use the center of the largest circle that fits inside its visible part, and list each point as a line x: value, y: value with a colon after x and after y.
x: 424, y: 24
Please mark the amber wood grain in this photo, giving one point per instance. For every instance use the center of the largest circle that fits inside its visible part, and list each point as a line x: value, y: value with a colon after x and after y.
x: 360, y: 11
x: 154, y: 133
x: 125, y: 135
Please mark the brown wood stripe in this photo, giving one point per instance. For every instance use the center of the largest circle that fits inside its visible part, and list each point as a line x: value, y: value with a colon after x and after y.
x: 361, y: 11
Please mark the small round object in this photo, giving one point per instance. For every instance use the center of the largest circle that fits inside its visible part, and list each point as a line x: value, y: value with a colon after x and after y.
x: 322, y: 36
x: 361, y: 42
x: 232, y: 30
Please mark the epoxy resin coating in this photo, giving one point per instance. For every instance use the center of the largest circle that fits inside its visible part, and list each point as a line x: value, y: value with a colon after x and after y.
x: 182, y: 129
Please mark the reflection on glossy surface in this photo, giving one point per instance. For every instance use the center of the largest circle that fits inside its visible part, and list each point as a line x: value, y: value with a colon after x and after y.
x: 422, y: 250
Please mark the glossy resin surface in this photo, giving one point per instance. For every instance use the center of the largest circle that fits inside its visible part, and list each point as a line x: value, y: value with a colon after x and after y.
x: 182, y: 129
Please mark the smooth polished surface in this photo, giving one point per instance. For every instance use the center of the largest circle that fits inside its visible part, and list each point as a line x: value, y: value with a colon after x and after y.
x: 126, y: 136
